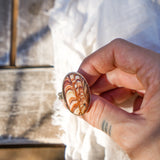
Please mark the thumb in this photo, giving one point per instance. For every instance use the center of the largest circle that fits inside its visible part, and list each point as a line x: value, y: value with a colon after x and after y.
x: 105, y: 115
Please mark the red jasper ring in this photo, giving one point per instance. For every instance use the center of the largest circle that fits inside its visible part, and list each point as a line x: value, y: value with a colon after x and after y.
x: 75, y: 93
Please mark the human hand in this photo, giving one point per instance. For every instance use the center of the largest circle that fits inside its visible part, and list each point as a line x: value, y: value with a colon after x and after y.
x: 113, y: 73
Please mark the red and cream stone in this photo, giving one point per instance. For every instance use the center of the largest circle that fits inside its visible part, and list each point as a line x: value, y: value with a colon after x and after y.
x: 76, y: 93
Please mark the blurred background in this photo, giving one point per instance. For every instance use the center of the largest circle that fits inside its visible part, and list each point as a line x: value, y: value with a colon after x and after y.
x: 26, y: 82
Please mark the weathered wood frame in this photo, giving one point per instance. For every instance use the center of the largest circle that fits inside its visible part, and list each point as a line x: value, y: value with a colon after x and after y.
x: 13, y: 41
x: 12, y: 65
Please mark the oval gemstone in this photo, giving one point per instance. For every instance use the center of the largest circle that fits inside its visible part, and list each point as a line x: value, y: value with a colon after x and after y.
x: 76, y: 93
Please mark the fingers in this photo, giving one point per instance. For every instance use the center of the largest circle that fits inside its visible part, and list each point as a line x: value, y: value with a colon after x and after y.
x: 123, y: 55
x: 121, y: 78
x: 114, y: 79
x: 118, y: 95
x: 102, y: 85
x: 104, y: 115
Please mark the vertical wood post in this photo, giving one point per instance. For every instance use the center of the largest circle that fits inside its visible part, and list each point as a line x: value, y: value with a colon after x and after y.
x: 14, y: 20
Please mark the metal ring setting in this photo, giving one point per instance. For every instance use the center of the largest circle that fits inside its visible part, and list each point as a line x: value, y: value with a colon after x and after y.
x: 75, y: 93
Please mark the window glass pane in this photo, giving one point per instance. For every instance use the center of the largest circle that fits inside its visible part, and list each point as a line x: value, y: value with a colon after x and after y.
x: 34, y: 37
x: 5, y: 19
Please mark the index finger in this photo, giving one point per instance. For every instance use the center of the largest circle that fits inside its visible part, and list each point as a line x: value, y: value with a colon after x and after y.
x: 119, y: 54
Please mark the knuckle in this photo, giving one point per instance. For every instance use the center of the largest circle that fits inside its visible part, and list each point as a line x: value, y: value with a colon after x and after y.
x: 117, y: 41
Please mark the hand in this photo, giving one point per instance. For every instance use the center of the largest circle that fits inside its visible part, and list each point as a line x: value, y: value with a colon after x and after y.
x: 114, y: 72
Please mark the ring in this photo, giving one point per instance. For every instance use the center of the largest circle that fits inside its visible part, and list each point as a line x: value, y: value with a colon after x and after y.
x: 75, y: 93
